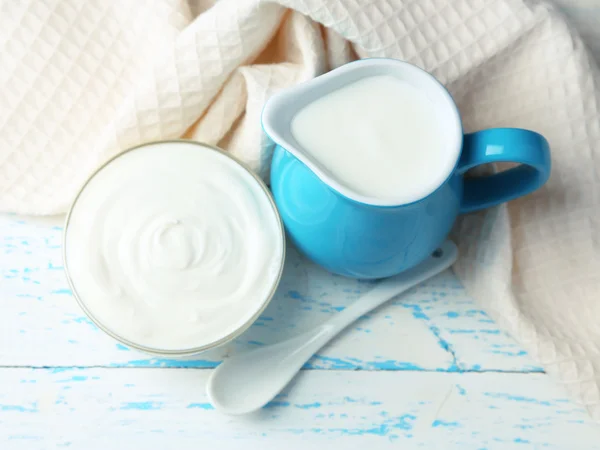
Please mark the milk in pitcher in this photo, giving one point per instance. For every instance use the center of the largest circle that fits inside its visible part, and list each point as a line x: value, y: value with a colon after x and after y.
x: 380, y: 137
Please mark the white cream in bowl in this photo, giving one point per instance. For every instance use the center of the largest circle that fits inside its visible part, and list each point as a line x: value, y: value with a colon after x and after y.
x: 173, y: 247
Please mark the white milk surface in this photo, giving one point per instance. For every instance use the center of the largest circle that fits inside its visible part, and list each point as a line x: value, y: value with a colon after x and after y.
x: 379, y: 137
x: 173, y: 246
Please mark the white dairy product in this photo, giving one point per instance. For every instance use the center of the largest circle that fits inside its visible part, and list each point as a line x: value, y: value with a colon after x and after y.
x: 379, y: 137
x: 173, y: 246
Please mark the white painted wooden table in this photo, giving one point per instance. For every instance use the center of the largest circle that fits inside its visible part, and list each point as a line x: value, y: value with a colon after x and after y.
x: 428, y: 370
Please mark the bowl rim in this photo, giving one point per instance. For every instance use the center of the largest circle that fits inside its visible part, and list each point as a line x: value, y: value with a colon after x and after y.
x: 184, y: 352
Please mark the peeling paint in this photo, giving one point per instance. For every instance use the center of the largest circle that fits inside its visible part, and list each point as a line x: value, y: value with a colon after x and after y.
x: 142, y: 406
x: 206, y: 406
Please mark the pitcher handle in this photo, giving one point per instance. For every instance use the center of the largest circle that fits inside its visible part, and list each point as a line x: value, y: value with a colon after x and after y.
x: 528, y: 148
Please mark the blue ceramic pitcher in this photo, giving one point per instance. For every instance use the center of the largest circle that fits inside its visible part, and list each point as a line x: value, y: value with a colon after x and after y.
x: 360, y: 237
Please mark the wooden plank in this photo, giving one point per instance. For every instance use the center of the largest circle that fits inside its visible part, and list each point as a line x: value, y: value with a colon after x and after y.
x: 96, y: 408
x: 434, y: 327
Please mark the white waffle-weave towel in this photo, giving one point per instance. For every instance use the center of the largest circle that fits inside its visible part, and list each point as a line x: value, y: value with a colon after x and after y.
x: 81, y: 81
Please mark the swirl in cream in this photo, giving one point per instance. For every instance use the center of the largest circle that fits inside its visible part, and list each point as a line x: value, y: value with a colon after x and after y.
x: 173, y: 246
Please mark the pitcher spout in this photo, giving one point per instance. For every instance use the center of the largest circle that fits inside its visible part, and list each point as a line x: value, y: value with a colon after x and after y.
x: 367, y: 128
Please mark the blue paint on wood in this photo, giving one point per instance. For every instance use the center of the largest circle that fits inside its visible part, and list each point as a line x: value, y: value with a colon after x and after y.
x: 24, y: 437
x: 276, y: 404
x: 206, y: 406
x: 326, y: 362
x: 507, y: 353
x: 517, y: 398
x: 474, y: 312
x: 461, y: 390
x: 330, y: 363
x: 73, y: 378
x: 521, y: 441
x: 35, y: 297
x: 62, y: 292
x: 83, y: 319
x: 452, y: 314
x: 418, y: 313
x: 524, y: 427
x: 20, y: 408
x: 446, y: 346
x: 203, y: 364
x: 404, y: 422
x: 122, y: 347
x: 308, y: 405
x: 142, y: 406
x: 394, y: 365
x: 443, y: 423
x: 50, y: 245
x: 386, y: 429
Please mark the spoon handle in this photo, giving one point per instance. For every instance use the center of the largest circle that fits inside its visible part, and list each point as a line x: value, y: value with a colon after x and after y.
x: 385, y: 289
x: 247, y: 381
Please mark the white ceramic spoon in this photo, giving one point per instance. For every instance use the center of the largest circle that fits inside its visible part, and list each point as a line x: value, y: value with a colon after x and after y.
x: 247, y: 381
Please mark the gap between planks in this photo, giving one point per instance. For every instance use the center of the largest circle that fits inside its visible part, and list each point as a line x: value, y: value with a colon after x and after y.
x: 59, y: 368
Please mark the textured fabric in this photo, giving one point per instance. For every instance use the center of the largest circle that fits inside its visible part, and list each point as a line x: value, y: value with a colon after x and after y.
x: 81, y: 81
x: 585, y: 16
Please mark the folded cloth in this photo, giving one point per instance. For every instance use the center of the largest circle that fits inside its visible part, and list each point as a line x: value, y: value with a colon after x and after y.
x: 81, y: 81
